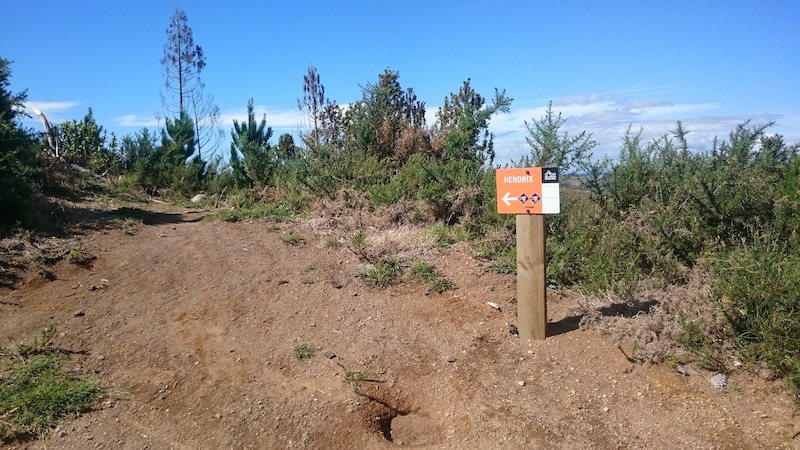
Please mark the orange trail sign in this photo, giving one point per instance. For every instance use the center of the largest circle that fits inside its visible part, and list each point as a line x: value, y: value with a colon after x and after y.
x: 529, y: 190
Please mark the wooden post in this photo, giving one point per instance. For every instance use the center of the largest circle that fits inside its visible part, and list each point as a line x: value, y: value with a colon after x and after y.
x: 531, y: 277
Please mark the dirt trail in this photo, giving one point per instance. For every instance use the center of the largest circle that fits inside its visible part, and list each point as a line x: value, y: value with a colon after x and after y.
x: 192, y: 325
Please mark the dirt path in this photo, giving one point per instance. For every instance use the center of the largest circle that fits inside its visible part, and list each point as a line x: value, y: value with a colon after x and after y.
x: 192, y: 325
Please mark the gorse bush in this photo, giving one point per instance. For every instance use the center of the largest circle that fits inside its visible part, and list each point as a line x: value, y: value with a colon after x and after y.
x: 660, y: 209
x: 760, y: 288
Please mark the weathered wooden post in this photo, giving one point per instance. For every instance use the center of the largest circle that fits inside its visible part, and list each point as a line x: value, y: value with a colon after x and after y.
x: 530, y: 193
x: 531, y: 276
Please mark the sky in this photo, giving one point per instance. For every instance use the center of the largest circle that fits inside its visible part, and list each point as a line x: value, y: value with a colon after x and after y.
x: 604, y: 65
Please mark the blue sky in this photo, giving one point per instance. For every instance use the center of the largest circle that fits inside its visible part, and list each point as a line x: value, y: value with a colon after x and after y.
x: 604, y: 65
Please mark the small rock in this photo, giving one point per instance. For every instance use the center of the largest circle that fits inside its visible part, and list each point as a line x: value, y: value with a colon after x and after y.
x: 78, y: 314
x: 766, y: 374
x: 681, y: 369
x: 494, y: 305
x: 521, y: 382
x: 336, y: 284
x: 329, y: 355
x: 451, y: 359
x: 605, y: 409
x: 198, y: 198
x: 719, y: 380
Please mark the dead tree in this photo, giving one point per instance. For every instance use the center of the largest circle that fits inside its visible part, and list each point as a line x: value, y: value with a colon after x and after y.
x: 51, y: 141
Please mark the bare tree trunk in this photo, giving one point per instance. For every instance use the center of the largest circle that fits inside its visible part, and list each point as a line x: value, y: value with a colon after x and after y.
x: 50, y: 139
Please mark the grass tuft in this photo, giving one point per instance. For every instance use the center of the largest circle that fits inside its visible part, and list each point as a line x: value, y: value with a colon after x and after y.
x: 36, y: 393
x: 304, y: 351
x: 385, y: 273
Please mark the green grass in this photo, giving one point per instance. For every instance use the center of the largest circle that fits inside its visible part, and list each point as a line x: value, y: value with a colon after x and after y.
x: 505, y: 263
x: 245, y: 210
x: 358, y: 244
x: 330, y: 243
x: 354, y: 378
x: 385, y: 273
x: 36, y: 393
x: 441, y: 284
x: 292, y: 237
x: 423, y: 271
x: 694, y: 339
x: 304, y: 351
x: 25, y: 350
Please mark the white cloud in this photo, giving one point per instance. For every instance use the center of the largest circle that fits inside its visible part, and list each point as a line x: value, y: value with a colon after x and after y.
x: 607, y: 117
x: 672, y: 110
x: 54, y: 111
x: 133, y: 120
x: 277, y: 119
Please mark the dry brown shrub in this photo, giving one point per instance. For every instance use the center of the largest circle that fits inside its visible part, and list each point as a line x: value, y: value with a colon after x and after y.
x: 403, y: 241
x: 395, y: 230
x: 412, y: 140
x: 648, y: 326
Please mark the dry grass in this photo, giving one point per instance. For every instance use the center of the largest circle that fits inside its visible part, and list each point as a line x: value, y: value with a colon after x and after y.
x: 648, y: 327
x: 348, y: 222
x: 25, y: 251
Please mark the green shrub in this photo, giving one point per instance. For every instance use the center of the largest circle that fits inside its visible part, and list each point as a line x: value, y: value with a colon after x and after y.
x: 18, y: 161
x: 693, y: 338
x: 245, y: 205
x: 760, y: 285
x: 325, y: 171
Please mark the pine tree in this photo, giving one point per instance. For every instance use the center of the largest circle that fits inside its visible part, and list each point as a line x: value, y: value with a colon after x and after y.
x: 16, y: 155
x: 256, y: 165
x: 183, y: 61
